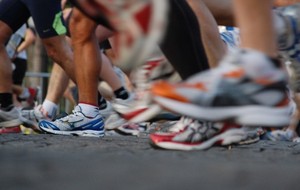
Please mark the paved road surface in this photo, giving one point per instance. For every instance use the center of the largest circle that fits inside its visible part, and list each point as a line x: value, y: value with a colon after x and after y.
x: 45, y: 162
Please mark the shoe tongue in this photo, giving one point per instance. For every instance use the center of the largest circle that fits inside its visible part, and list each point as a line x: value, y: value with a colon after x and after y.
x: 77, y: 109
x: 90, y: 113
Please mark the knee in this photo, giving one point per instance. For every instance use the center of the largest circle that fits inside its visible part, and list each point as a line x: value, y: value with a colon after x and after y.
x: 82, y: 28
x: 57, y: 48
x: 51, y: 50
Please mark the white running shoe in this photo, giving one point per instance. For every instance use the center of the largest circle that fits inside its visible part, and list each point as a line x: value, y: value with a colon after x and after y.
x: 136, y: 110
x: 9, y: 117
x: 32, y: 117
x: 76, y: 124
x: 112, y: 119
x: 139, y: 107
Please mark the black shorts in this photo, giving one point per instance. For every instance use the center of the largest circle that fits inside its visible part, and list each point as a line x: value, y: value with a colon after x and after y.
x: 46, y: 14
x: 19, y: 72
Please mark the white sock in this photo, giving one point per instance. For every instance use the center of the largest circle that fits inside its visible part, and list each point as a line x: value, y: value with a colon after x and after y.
x: 50, y: 108
x: 89, y: 110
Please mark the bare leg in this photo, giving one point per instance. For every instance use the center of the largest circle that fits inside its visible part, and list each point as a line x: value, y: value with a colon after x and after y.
x: 254, y: 17
x: 58, y: 82
x: 222, y: 11
x: 86, y: 55
x: 108, y: 75
x: 60, y: 51
x: 5, y: 63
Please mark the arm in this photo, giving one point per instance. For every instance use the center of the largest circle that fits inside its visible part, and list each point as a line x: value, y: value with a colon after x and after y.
x: 29, y: 39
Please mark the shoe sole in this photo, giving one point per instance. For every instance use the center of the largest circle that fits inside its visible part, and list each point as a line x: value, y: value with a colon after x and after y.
x: 231, y: 136
x: 11, y: 123
x: 147, y: 115
x: 115, y: 124
x: 243, y: 115
x: 139, y: 115
x: 85, y: 133
x: 30, y: 124
x: 7, y: 130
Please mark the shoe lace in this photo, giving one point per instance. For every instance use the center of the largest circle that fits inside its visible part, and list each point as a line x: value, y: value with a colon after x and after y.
x: 181, y: 124
x: 75, y: 113
x: 197, y: 131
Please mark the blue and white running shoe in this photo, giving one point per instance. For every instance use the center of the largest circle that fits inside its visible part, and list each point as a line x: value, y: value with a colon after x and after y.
x: 231, y: 37
x: 289, y: 40
x: 76, y: 124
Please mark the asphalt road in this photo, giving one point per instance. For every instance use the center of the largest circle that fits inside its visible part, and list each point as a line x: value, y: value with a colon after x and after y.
x: 45, y: 162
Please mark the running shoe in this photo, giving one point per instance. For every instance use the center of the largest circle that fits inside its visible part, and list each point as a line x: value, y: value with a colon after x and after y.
x: 280, y: 135
x: 289, y: 39
x: 136, y: 110
x: 32, y: 117
x: 112, y: 119
x: 30, y: 100
x: 231, y: 37
x: 140, y: 107
x: 199, y: 136
x: 123, y: 78
x: 140, y: 25
x: 153, y: 70
x: 176, y: 126
x: 134, y: 129
x: 76, y: 124
x: 9, y: 120
x: 247, y: 88
x: 253, y: 135
x: 166, y: 133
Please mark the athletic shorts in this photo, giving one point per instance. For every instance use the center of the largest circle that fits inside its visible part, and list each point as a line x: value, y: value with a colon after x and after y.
x: 20, y: 70
x: 46, y: 14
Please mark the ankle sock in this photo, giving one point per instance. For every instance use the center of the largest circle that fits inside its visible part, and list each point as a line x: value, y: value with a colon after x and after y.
x: 5, y: 100
x: 49, y: 108
x: 101, y: 102
x: 121, y: 93
x: 276, y: 62
x: 89, y: 110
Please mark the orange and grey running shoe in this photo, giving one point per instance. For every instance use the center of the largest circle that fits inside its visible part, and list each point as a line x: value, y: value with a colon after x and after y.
x: 247, y: 88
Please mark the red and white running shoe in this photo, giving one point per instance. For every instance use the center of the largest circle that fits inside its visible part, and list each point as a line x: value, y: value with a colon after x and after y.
x: 9, y: 120
x: 140, y: 107
x: 199, y: 135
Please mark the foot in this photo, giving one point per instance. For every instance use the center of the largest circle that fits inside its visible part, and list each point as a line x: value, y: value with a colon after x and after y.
x: 32, y: 117
x: 247, y: 88
x: 76, y: 124
x: 9, y: 120
x: 289, y: 40
x: 198, y: 135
